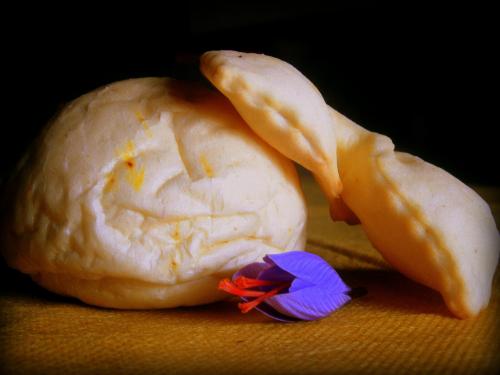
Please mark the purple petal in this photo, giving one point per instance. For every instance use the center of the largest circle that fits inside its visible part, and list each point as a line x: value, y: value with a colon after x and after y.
x: 251, y: 270
x: 271, y: 312
x: 308, y: 268
x: 299, y: 284
x: 275, y: 273
x: 308, y: 303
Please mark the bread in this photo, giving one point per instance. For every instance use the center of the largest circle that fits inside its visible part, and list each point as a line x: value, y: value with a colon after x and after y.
x: 425, y: 222
x: 292, y: 116
x: 144, y: 193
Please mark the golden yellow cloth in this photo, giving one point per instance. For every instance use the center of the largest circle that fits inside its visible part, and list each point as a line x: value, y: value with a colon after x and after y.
x: 398, y: 327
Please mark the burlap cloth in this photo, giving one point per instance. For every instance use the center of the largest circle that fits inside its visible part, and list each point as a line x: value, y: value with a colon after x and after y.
x: 398, y: 327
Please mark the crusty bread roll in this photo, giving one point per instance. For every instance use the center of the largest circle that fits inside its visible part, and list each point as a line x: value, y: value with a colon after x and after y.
x: 146, y: 192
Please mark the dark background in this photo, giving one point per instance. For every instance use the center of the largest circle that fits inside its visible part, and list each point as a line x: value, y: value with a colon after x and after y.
x: 421, y: 74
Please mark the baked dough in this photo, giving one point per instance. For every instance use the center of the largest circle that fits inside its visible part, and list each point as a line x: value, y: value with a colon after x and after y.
x: 425, y: 222
x: 145, y: 193
x: 292, y: 116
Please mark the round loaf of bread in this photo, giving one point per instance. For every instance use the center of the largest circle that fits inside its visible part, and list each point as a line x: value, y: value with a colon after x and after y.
x: 145, y: 193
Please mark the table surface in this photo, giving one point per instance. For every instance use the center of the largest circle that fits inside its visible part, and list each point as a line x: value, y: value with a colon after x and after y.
x: 397, y: 327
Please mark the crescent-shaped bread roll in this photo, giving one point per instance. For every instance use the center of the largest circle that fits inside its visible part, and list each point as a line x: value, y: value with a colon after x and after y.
x: 425, y: 222
x: 144, y: 193
x: 292, y: 117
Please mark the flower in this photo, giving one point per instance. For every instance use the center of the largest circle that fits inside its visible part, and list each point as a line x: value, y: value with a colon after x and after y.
x: 290, y: 286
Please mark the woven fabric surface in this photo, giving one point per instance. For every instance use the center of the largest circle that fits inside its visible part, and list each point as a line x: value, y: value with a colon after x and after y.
x: 398, y: 327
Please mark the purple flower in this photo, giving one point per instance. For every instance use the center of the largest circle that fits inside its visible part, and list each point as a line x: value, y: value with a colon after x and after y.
x: 291, y: 286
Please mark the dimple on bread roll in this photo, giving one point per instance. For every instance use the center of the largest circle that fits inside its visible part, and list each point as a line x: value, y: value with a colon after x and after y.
x: 144, y: 193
